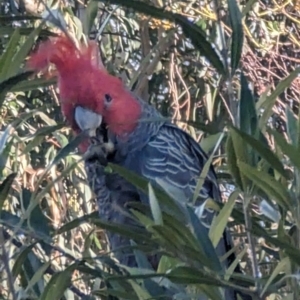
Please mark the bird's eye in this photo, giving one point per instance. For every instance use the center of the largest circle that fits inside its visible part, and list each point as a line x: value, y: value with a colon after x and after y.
x: 108, y: 98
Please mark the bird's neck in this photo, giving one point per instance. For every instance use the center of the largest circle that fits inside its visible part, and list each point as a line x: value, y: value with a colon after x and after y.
x: 147, y: 126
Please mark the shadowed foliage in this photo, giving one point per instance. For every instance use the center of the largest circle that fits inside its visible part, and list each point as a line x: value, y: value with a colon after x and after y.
x: 224, y: 71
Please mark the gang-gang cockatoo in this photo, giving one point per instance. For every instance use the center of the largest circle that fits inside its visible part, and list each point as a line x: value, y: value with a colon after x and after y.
x: 96, y: 102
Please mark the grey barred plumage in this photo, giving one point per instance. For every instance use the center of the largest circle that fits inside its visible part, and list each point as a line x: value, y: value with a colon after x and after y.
x: 168, y: 157
x: 155, y: 148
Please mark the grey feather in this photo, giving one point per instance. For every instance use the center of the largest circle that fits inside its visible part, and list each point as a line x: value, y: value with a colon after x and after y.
x: 166, y: 156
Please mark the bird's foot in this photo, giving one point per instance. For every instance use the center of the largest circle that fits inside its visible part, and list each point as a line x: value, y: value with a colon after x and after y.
x: 97, y: 151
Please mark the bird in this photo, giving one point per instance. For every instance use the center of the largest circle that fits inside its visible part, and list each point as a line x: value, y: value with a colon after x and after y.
x: 127, y: 131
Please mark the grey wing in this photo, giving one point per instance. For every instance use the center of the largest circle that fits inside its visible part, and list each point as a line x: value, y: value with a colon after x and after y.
x: 174, y: 161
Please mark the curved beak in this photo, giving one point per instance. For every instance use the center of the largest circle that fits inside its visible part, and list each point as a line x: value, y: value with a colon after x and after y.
x: 87, y: 120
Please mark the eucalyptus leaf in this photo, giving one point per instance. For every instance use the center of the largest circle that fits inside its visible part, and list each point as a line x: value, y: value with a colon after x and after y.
x: 235, y: 17
x: 192, y: 31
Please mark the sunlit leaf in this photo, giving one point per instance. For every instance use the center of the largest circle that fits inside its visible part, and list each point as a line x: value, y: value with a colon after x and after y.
x: 270, y: 100
x: 192, y: 31
x: 219, y: 223
x: 268, y: 184
x: 90, y: 15
x: 58, y: 283
x: 7, y: 56
x: 237, y: 33
x: 263, y: 151
x: 289, y: 150
x: 239, y: 154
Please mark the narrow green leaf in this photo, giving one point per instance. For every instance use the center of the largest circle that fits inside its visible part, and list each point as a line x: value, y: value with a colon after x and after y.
x: 128, y: 231
x: 235, y: 17
x: 263, y: 151
x: 32, y: 144
x: 205, y: 170
x: 208, y: 143
x: 212, y: 293
x: 219, y: 223
x: 284, y: 84
x: 58, y: 283
x: 192, y: 31
x: 200, y: 42
x: 140, y: 292
x: 190, y: 275
x: 24, y: 86
x: 90, y: 15
x: 117, y: 294
x: 166, y: 263
x: 248, y: 7
x: 7, y: 57
x: 240, y: 155
x: 173, y: 230
x: 164, y: 235
x: 13, y: 18
x: 290, y: 151
x: 269, y: 102
x: 39, y: 136
x: 268, y: 184
x: 77, y: 222
x: 206, y: 245
x: 248, y: 117
x: 232, y: 162
x: 141, y: 259
x: 282, y: 266
x: 288, y: 249
x: 22, y: 256
x: 5, y: 187
x: 5, y: 30
x: 292, y: 126
x: 176, y: 238
x: 230, y: 270
x: 154, y: 205
x: 65, y: 151
x: 176, y: 242
x: 20, y: 56
x: 31, y: 264
x: 38, y: 275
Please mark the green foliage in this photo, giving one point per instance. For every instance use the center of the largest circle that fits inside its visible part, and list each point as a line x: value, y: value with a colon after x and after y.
x: 175, y: 55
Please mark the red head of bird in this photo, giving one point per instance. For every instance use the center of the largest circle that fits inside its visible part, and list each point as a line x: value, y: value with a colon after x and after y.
x: 85, y: 86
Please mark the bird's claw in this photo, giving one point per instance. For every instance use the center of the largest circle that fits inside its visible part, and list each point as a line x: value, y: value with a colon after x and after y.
x: 97, y: 152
